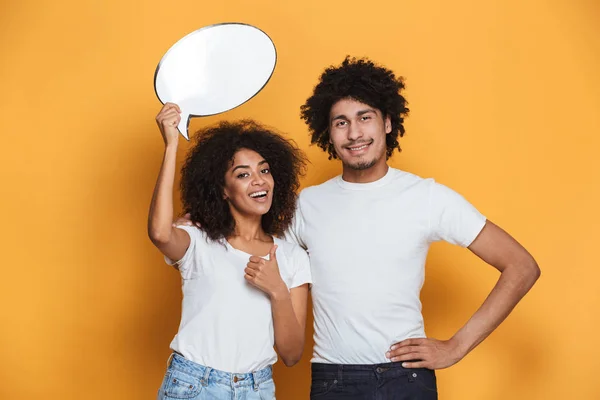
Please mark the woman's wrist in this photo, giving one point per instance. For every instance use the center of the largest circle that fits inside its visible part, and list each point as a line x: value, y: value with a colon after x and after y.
x: 281, y: 292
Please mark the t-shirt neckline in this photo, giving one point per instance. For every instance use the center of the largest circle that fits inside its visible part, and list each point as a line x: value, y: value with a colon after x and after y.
x: 365, y: 186
x: 243, y: 253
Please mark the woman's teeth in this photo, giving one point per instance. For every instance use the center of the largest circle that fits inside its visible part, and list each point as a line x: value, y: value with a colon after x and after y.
x: 258, y: 194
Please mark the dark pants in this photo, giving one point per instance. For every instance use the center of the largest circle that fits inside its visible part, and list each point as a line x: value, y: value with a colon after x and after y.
x: 389, y: 381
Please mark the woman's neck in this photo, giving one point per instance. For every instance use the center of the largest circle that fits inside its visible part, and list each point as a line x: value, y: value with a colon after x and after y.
x: 249, y: 229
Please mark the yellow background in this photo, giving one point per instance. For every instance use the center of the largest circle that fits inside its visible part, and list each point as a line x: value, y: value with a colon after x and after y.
x: 504, y: 98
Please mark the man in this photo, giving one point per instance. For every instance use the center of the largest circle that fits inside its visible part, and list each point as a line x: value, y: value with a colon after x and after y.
x: 367, y: 233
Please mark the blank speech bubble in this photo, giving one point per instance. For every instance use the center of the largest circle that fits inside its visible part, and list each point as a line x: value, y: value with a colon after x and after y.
x: 214, y: 69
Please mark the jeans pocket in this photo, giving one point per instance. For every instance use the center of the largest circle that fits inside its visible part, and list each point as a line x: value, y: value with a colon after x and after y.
x: 180, y: 385
x: 320, y: 387
x: 266, y: 390
x: 425, y: 378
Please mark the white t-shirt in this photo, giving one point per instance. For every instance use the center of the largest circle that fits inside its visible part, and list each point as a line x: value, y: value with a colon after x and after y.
x: 226, y: 323
x: 367, y: 245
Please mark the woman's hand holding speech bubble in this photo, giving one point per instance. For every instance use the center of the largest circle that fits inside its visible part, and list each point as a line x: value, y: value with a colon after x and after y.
x: 167, y: 120
x: 214, y: 69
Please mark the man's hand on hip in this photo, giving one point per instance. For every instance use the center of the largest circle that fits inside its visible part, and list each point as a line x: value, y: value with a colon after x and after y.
x: 425, y: 353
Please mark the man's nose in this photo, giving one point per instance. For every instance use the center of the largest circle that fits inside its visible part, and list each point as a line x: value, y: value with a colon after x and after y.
x: 354, y: 132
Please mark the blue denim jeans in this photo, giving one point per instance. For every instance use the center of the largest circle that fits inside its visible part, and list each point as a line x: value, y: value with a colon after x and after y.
x: 187, y: 380
x: 389, y: 381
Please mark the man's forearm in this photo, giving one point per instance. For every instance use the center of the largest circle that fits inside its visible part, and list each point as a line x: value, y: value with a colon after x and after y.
x: 515, y: 281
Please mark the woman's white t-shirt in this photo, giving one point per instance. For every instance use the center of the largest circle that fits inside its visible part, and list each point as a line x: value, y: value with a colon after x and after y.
x: 226, y: 323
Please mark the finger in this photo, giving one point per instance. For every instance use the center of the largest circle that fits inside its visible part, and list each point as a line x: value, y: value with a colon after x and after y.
x: 408, y: 342
x: 166, y: 108
x: 169, y: 105
x: 170, y: 118
x: 272, y: 253
x: 403, y: 350
x: 185, y: 222
x: 255, y: 259
x: 416, y: 364
x: 255, y: 271
x: 250, y: 272
x: 175, y: 106
x: 408, y: 357
x: 170, y: 112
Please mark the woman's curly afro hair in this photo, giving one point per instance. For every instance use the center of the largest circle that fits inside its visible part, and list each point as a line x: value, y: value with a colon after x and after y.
x: 203, y: 175
x: 362, y: 80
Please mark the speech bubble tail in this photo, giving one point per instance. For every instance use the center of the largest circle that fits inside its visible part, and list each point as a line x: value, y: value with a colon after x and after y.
x: 183, y: 126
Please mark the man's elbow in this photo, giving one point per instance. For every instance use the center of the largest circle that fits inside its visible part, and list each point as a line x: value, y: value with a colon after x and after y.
x: 530, y: 271
x: 536, y: 272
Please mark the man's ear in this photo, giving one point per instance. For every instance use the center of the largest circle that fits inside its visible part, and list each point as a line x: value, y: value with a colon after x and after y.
x: 387, y: 122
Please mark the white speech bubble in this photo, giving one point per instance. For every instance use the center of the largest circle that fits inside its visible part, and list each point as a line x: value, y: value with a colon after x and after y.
x: 214, y: 69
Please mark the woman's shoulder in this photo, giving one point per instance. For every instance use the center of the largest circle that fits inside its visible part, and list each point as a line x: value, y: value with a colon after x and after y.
x: 199, y: 237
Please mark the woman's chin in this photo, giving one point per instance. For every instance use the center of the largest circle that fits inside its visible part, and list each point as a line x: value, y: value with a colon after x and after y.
x: 256, y: 210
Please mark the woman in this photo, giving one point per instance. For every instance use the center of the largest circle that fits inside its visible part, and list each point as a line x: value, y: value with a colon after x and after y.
x: 244, y: 290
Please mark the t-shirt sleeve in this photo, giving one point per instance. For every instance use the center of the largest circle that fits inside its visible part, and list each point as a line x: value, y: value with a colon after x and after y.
x: 301, y: 264
x: 294, y: 232
x: 452, y: 218
x: 189, y: 263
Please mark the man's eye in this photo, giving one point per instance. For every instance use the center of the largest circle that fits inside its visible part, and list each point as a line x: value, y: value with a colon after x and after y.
x: 365, y: 117
x: 341, y: 123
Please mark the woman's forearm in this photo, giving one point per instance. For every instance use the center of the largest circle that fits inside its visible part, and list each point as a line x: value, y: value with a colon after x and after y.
x: 289, y: 331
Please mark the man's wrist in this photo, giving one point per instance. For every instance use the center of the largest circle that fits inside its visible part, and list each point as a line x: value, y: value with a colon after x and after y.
x: 460, y: 347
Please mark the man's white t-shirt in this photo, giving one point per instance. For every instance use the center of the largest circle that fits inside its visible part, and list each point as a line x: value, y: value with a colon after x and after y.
x: 226, y: 323
x: 367, y: 245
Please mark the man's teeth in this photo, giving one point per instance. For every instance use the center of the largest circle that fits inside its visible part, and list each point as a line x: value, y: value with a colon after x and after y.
x: 259, y: 194
x: 359, y: 147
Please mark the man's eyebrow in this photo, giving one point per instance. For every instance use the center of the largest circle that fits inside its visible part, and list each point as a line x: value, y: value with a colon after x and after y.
x: 341, y: 116
x: 366, y: 111
x: 358, y: 114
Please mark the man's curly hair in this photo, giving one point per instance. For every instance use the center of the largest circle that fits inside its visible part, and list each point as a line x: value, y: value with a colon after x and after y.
x: 203, y: 175
x: 362, y: 80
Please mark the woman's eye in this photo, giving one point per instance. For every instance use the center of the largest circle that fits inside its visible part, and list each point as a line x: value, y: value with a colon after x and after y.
x: 266, y: 171
x: 243, y: 175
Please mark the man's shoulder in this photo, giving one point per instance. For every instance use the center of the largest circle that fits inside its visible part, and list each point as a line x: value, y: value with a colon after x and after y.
x: 405, y: 180
x: 400, y: 174
x: 291, y: 250
x: 399, y: 179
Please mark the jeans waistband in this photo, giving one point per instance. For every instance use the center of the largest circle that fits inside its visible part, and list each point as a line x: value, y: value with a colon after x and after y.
x: 339, y: 371
x: 208, y: 374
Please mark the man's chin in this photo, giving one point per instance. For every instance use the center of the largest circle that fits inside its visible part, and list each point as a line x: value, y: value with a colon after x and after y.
x: 360, y: 165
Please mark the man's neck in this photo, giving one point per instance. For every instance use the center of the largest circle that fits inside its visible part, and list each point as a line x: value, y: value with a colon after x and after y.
x: 368, y: 175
